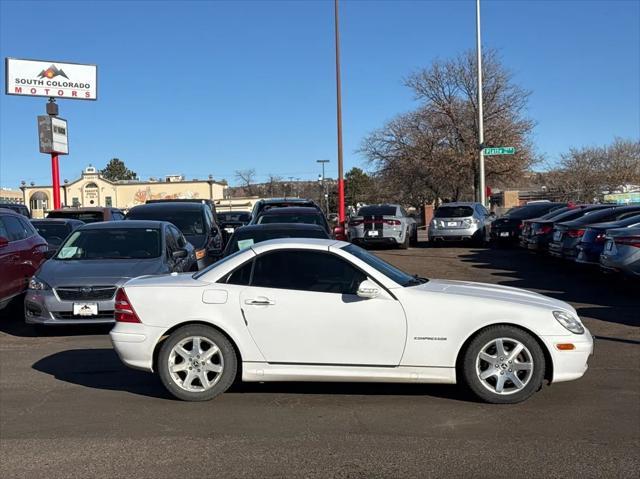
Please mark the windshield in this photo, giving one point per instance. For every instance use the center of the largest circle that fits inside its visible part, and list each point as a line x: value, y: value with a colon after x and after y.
x: 189, y: 222
x: 238, y: 216
x: 86, y: 216
x: 123, y: 243
x: 216, y: 264
x: 383, y: 267
x: 245, y: 239
x: 377, y: 211
x: 293, y: 218
x: 53, y: 232
x: 453, y: 212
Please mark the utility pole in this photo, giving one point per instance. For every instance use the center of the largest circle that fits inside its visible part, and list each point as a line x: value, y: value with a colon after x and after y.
x: 482, y: 195
x: 324, y: 191
x: 341, y: 215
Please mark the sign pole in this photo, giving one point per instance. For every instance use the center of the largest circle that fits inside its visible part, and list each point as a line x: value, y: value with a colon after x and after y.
x: 52, y: 111
x: 482, y: 192
x: 341, y: 215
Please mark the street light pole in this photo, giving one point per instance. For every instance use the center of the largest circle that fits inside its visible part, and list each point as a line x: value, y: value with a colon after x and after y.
x: 324, y: 191
x: 480, y: 114
x: 341, y: 215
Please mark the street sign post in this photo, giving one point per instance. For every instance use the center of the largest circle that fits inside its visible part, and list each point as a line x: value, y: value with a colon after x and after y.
x: 501, y: 150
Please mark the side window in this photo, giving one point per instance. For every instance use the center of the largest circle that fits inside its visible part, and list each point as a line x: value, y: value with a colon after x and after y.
x: 171, y: 241
x: 240, y: 276
x: 31, y: 231
x: 306, y: 271
x: 3, y: 230
x: 209, y: 215
x: 15, y: 229
x: 178, y: 237
x: 403, y: 212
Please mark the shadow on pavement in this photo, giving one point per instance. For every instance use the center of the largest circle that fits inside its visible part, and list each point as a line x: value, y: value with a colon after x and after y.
x: 100, y: 369
x: 607, y: 298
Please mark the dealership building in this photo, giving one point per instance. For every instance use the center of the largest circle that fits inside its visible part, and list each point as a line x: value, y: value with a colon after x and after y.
x: 91, y: 189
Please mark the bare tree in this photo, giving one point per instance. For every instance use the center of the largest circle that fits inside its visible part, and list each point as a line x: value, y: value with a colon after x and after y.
x: 246, y: 178
x: 432, y: 152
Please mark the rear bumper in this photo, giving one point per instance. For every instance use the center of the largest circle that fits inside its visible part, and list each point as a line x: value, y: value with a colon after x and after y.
x: 504, y: 234
x: 453, y: 234
x: 135, y: 344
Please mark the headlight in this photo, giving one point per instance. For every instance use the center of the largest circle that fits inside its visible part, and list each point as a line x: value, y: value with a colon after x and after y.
x: 37, y: 284
x: 569, y: 321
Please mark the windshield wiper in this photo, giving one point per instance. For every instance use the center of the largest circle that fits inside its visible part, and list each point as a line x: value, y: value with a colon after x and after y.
x: 416, y: 280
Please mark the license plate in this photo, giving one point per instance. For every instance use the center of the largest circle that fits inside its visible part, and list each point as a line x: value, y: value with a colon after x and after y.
x: 504, y: 233
x: 85, y: 309
x: 608, y: 246
x: 557, y: 236
x: 373, y: 233
x: 452, y: 223
x: 229, y: 230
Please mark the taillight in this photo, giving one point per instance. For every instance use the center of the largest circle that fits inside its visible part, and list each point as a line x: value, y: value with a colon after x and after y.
x: 546, y: 229
x: 393, y: 222
x: 520, y: 225
x: 124, y: 312
x: 201, y: 253
x: 575, y: 233
x: 628, y: 241
x: 601, y: 238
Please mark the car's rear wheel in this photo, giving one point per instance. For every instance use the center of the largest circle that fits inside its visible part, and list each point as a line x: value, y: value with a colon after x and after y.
x: 196, y: 363
x: 503, y: 365
x: 405, y: 243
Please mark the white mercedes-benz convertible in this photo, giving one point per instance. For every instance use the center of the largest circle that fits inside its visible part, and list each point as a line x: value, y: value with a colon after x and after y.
x: 326, y: 310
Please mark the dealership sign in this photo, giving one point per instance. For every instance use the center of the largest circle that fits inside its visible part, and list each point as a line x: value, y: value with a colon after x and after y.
x: 51, y: 79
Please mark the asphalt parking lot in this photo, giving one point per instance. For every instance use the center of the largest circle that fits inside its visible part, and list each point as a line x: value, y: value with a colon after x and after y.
x: 69, y: 408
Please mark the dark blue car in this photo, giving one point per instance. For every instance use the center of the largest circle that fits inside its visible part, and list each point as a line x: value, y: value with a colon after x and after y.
x: 592, y: 243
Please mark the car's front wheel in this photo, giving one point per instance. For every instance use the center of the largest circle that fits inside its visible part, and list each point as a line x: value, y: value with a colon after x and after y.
x: 196, y: 363
x: 503, y: 365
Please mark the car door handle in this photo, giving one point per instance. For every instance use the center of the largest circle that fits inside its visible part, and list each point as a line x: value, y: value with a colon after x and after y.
x: 259, y: 302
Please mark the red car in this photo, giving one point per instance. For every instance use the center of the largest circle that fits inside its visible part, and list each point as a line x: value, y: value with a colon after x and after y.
x: 22, y: 251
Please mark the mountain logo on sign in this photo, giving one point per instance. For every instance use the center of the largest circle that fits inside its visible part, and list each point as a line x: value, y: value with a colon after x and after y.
x: 52, y: 72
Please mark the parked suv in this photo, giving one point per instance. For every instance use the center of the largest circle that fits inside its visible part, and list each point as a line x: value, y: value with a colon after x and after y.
x: 18, y: 208
x: 383, y: 224
x: 294, y: 214
x: 460, y: 221
x: 22, y: 251
x: 88, y: 215
x: 262, y: 205
x: 194, y: 219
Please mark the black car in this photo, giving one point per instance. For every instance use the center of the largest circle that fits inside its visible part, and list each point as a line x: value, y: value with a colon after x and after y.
x: 294, y: 214
x: 194, y: 219
x: 18, y: 208
x: 263, y: 205
x: 508, y: 227
x: 591, y: 244
x: 209, y: 203
x: 537, y: 232
x: 229, y: 221
x: 55, y: 230
x: 246, y: 236
x: 567, y: 234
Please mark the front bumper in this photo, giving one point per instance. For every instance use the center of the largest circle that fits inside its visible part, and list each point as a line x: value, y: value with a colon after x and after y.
x: 135, y: 344
x: 569, y: 365
x: 44, y: 307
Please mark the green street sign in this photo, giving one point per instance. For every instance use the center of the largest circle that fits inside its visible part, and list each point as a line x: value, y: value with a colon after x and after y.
x: 502, y: 150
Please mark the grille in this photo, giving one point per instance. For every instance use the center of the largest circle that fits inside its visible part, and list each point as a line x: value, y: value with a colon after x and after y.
x: 85, y: 293
x: 70, y: 315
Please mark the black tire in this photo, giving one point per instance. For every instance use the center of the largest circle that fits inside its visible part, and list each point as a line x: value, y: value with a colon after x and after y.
x: 227, y: 353
x: 469, y: 364
x: 405, y: 243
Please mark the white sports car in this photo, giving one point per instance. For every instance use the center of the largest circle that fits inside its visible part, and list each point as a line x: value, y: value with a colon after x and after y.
x: 326, y: 310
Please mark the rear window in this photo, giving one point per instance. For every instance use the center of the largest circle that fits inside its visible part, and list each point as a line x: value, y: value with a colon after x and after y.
x: 245, y: 239
x: 454, y: 212
x: 86, y: 216
x: 189, y: 222
x: 234, y: 216
x: 377, y: 211
x: 53, y: 233
x: 309, y: 219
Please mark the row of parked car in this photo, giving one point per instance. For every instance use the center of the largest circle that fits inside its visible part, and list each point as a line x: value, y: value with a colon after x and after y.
x: 72, y: 262
x: 601, y: 235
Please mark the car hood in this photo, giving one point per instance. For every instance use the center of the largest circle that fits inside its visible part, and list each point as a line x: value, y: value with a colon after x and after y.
x: 495, y: 292
x: 79, y: 272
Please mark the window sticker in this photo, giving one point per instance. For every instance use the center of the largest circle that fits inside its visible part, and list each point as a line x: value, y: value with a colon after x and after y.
x: 68, y: 252
x: 244, y: 244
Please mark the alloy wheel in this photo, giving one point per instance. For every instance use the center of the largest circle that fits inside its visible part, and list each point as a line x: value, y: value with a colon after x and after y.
x: 504, y: 366
x: 196, y: 364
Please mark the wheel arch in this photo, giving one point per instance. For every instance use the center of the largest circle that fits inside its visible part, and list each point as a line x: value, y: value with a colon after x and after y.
x: 548, y: 359
x: 168, y: 332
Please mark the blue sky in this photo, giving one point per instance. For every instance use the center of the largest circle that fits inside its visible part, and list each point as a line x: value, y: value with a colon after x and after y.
x: 204, y: 88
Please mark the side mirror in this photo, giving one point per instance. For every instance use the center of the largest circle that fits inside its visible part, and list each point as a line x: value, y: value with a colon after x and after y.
x: 3, y: 241
x: 368, y: 289
x: 180, y: 254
